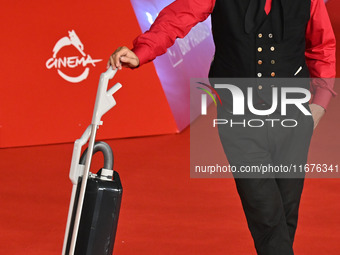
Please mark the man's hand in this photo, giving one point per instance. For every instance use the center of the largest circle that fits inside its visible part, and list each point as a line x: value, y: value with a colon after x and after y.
x: 123, y: 57
x: 317, y: 112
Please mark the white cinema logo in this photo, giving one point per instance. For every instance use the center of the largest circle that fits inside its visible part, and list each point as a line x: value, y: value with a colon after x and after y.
x: 72, y: 61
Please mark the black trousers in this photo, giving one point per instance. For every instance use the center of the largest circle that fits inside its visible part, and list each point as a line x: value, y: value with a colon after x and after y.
x: 270, y: 200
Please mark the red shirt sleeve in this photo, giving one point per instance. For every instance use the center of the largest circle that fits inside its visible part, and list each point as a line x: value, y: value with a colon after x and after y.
x: 320, y: 54
x: 174, y: 21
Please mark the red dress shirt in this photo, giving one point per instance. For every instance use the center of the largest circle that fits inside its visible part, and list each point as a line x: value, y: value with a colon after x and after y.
x: 176, y: 20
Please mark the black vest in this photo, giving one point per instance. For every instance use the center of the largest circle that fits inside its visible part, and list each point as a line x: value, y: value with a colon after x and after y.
x: 251, y: 44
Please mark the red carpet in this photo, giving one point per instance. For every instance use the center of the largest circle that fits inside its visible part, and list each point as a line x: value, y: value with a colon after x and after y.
x: 163, y: 210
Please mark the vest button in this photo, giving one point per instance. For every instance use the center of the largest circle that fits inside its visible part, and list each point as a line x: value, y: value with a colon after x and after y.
x: 272, y: 62
x: 272, y: 48
x: 259, y: 62
x: 270, y: 35
x: 259, y: 49
x: 259, y: 87
x: 272, y: 74
x: 259, y: 35
x: 259, y: 75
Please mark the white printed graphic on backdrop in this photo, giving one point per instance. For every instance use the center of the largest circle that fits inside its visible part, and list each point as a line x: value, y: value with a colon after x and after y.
x: 72, y: 61
x: 185, y: 45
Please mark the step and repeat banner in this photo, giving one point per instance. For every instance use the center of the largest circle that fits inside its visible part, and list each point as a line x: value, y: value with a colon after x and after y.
x: 52, y: 54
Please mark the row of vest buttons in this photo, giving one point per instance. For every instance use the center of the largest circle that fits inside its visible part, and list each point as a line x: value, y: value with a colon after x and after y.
x: 259, y: 49
x: 260, y: 61
x: 272, y: 74
x: 271, y: 61
x: 269, y: 35
x: 260, y: 87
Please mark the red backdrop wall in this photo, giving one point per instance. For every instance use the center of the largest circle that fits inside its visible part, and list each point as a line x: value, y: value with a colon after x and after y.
x: 38, y: 106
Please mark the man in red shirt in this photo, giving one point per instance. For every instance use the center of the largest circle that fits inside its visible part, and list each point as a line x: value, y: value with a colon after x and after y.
x: 270, y: 38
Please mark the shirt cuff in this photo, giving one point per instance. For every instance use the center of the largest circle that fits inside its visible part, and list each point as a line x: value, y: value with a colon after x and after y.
x: 322, y: 97
x: 142, y: 54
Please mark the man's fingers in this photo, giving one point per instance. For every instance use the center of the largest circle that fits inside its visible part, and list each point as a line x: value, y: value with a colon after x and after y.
x: 317, y: 113
x: 112, y: 62
x: 128, y: 60
x: 117, y: 56
x: 123, y: 57
x: 130, y: 54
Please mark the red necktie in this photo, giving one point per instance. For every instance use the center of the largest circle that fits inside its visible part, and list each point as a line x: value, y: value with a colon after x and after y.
x: 268, y: 6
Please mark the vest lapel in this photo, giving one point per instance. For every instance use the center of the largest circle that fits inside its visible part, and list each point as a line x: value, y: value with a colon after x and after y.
x: 278, y: 19
x: 255, y: 14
